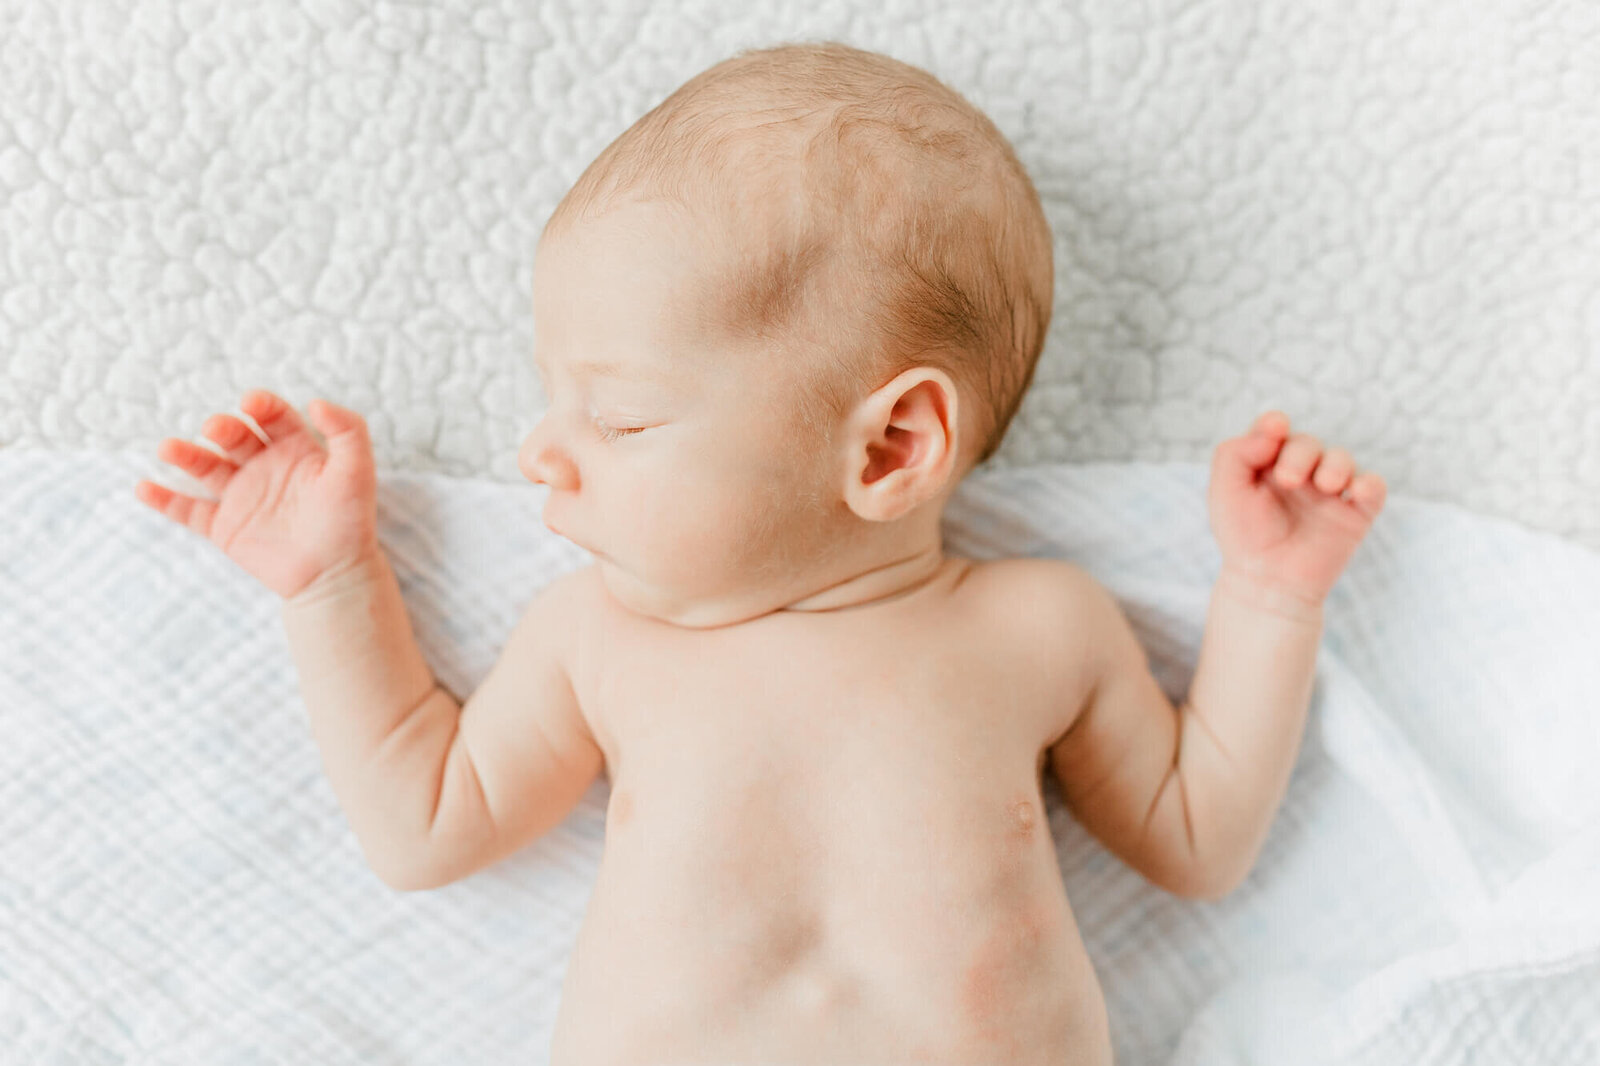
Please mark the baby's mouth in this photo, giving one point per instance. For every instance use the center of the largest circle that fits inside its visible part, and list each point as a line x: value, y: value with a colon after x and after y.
x: 564, y: 535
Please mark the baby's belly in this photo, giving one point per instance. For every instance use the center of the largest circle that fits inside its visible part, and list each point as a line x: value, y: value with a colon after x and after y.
x: 897, y: 941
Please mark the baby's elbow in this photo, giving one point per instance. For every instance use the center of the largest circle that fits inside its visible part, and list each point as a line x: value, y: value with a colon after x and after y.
x: 410, y: 880
x: 403, y: 875
x: 1203, y: 891
x: 1208, y: 883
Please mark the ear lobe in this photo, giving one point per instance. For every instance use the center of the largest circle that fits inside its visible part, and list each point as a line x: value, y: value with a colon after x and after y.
x: 905, y: 444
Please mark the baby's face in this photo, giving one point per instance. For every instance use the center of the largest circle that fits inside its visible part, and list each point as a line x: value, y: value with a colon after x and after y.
x: 671, y: 457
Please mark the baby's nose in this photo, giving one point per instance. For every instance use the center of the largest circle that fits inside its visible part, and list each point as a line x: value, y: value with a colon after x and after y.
x: 542, y: 464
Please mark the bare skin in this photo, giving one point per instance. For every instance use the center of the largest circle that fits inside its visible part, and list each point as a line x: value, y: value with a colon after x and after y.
x: 824, y: 735
x: 845, y: 858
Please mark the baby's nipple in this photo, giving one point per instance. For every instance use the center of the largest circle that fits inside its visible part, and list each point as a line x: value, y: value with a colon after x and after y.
x: 1024, y: 816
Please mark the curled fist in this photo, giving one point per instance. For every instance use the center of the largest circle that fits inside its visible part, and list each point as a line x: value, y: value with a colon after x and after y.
x: 1286, y: 513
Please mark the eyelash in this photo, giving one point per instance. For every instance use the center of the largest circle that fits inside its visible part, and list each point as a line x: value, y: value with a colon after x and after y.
x: 609, y: 434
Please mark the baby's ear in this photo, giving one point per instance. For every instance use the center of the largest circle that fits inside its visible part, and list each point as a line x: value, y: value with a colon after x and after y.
x: 902, y: 445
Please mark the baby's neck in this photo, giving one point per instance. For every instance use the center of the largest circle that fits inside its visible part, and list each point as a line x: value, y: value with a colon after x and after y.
x: 865, y: 573
x: 890, y: 577
x: 879, y: 585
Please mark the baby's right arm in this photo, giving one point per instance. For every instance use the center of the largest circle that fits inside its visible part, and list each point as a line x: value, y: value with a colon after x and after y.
x: 435, y: 790
x: 432, y: 790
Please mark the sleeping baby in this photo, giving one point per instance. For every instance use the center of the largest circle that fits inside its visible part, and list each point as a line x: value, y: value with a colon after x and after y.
x: 777, y: 321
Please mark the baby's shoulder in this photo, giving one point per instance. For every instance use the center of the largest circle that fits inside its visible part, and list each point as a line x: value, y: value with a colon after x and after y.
x: 575, y: 590
x: 1023, y: 595
x: 1035, y: 618
x: 562, y: 610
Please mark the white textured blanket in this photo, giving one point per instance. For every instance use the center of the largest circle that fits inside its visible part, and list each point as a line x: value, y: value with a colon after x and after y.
x: 177, y: 884
x: 1381, y: 216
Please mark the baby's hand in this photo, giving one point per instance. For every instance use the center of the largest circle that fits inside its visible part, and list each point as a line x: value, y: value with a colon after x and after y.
x: 289, y: 511
x: 1289, y: 518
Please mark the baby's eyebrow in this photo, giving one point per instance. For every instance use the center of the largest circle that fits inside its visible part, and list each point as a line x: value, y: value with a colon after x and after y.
x: 600, y: 368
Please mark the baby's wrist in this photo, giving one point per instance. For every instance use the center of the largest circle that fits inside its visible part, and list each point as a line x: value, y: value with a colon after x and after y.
x: 1276, y: 597
x: 360, y: 570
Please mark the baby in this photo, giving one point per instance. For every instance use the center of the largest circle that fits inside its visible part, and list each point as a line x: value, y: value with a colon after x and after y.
x: 778, y: 320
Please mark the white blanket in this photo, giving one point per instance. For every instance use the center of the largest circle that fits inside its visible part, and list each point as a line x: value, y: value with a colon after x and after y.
x: 177, y: 883
x: 1380, y: 216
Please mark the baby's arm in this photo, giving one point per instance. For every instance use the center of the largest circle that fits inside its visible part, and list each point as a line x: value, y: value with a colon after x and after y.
x: 1186, y: 795
x: 435, y: 790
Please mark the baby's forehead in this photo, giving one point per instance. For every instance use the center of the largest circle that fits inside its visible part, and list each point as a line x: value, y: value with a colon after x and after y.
x: 637, y: 286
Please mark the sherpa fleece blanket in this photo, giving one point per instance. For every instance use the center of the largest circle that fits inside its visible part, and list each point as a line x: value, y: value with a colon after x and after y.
x: 1382, y: 217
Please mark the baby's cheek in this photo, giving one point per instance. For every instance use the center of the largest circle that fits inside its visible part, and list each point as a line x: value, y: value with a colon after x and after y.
x: 691, y: 529
x: 749, y: 531
x: 723, y: 519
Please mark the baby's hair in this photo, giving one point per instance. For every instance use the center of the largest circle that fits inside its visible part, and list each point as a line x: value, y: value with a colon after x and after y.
x: 868, y: 219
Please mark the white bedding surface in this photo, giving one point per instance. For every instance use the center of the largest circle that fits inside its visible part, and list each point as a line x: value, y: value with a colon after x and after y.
x: 1382, y: 217
x: 177, y: 883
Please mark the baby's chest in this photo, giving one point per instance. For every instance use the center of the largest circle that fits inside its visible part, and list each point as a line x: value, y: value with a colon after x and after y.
x: 763, y: 858
x: 916, y: 775
x: 814, y: 704
x: 832, y: 829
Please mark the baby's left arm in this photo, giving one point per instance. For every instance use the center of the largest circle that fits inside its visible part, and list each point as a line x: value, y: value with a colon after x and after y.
x: 1186, y: 795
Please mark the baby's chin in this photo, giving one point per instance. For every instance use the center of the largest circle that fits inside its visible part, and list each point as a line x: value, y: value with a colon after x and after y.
x: 632, y: 594
x: 650, y: 601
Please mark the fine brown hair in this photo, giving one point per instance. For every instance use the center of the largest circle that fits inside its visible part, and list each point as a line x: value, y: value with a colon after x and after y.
x: 866, y: 219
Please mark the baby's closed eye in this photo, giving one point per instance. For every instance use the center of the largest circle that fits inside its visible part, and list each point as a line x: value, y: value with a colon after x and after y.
x: 612, y: 433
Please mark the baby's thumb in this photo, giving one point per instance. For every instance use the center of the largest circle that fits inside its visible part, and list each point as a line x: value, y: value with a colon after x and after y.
x: 345, y: 432
x: 1238, y: 460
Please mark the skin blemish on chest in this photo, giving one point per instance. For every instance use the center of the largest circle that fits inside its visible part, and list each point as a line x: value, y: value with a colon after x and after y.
x: 983, y: 993
x: 992, y: 977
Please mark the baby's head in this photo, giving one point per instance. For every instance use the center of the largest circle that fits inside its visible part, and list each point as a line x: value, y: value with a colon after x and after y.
x: 823, y: 279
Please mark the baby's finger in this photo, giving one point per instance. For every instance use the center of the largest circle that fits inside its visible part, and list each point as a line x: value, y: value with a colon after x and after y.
x: 1271, y: 423
x: 1333, y: 471
x: 236, y: 439
x: 184, y: 510
x: 349, y: 442
x: 204, y: 465
x: 1368, y: 493
x: 276, y: 416
x: 1237, y: 461
x: 1299, y: 455
x: 1258, y: 451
